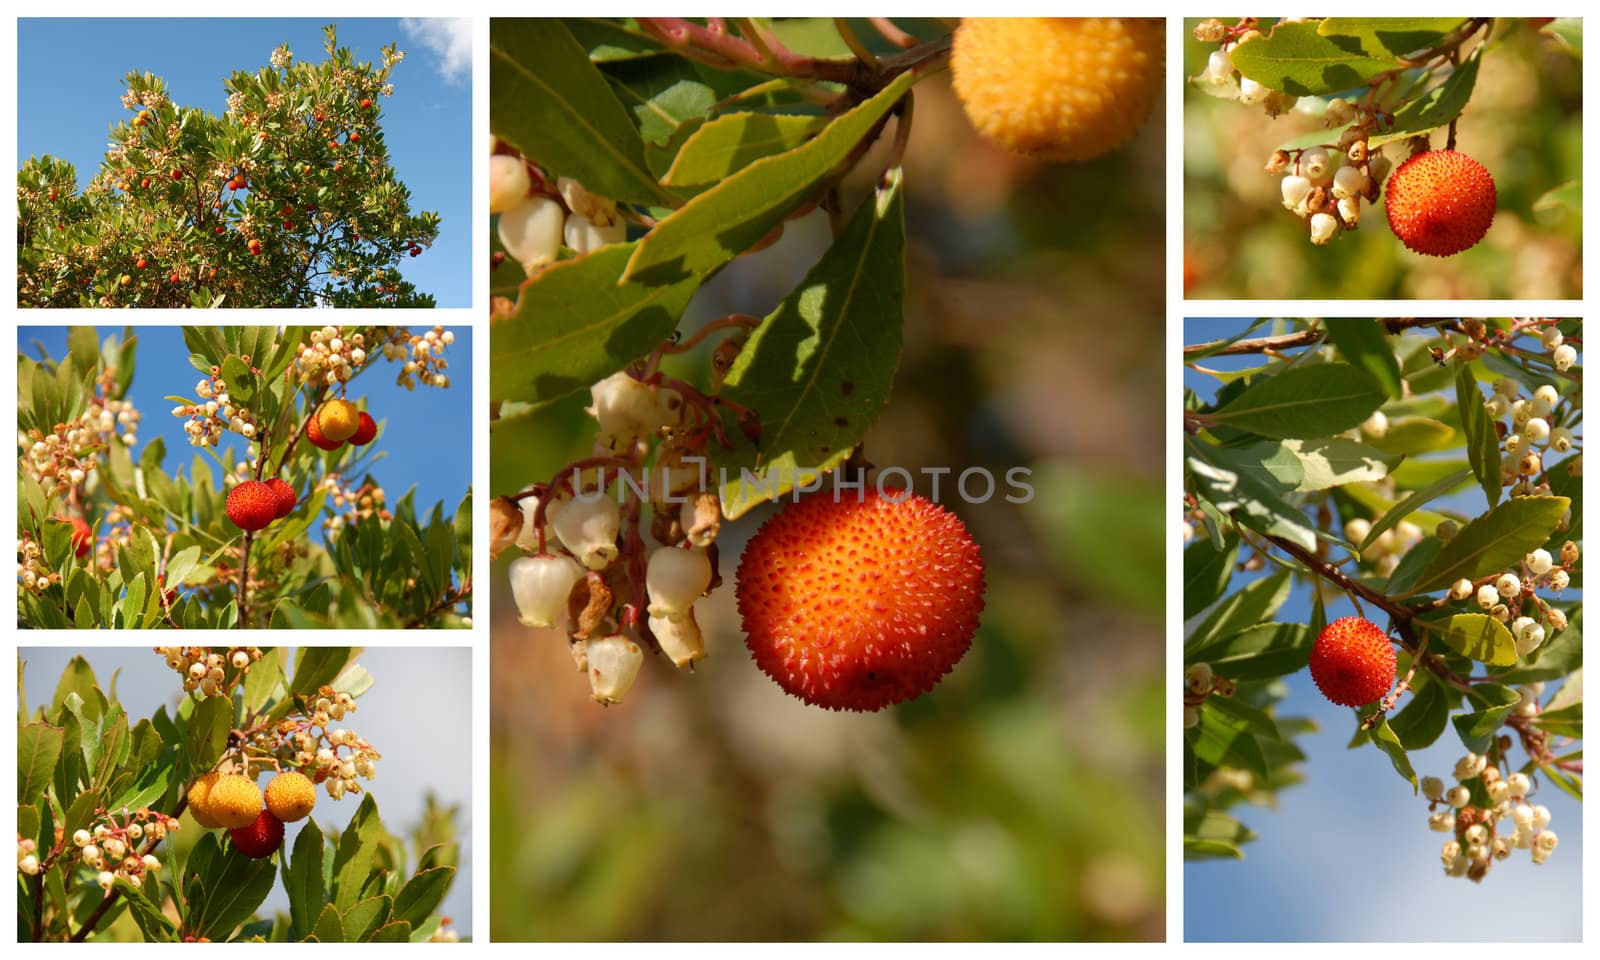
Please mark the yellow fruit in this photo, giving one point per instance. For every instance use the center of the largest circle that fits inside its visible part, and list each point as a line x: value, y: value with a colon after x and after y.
x: 198, y: 795
x: 290, y: 796
x: 338, y: 420
x: 234, y: 801
x: 1058, y: 88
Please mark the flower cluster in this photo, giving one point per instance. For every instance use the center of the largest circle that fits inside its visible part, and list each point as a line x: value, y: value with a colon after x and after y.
x: 351, y: 505
x: 334, y: 757
x: 216, y: 413
x: 538, y: 218
x: 332, y: 356
x: 66, y: 455
x: 1489, y: 816
x: 1222, y: 80
x: 32, y: 572
x: 335, y: 354
x: 586, y: 569
x: 110, y: 848
x: 1510, y: 596
x: 421, y: 357
x: 210, y: 671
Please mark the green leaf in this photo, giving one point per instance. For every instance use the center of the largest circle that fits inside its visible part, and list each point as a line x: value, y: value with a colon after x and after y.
x: 1247, y: 717
x: 1568, y: 197
x: 1365, y: 344
x: 731, y: 217
x: 1483, y: 444
x: 1564, y: 722
x: 207, y: 731
x: 1258, y: 653
x: 1480, y: 637
x: 228, y: 890
x: 1414, y: 500
x: 1206, y: 572
x: 39, y: 748
x: 316, y: 667
x: 152, y: 923
x: 397, y: 932
x: 731, y: 142
x: 573, y: 325
x: 1256, y: 602
x: 1423, y: 719
x: 1408, y: 436
x: 1477, y: 729
x: 1411, y: 566
x: 819, y: 369
x: 361, y: 920
x: 1195, y: 848
x: 1435, y: 108
x: 353, y: 861
x: 1214, y: 825
x: 422, y: 894
x: 1385, y: 739
x: 1223, y: 741
x: 302, y: 879
x: 1297, y: 60
x: 550, y: 102
x: 1232, y: 481
x: 1396, y: 36
x: 1334, y: 461
x: 1309, y: 401
x: 329, y: 928
x: 1495, y: 541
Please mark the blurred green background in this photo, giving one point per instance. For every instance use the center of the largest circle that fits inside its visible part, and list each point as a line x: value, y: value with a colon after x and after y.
x: 1524, y: 122
x: 1023, y: 798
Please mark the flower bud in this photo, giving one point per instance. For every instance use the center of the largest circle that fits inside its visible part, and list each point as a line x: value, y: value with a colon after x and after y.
x: 679, y: 637
x: 508, y: 182
x: 1323, y: 228
x: 531, y: 231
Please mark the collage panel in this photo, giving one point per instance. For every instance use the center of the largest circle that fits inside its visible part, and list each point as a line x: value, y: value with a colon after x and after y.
x: 250, y: 163
x: 1373, y: 158
x: 807, y: 442
x: 149, y: 810
x: 1382, y: 647
x: 206, y: 477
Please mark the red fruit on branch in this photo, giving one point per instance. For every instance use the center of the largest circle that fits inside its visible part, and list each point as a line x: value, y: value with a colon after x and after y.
x: 314, y: 434
x: 82, y: 536
x: 858, y: 605
x: 141, y: 263
x: 260, y: 839
x: 284, y: 496
x: 366, y: 429
x: 1440, y: 202
x: 251, y: 505
x: 144, y: 184
x: 1352, y: 662
x: 366, y: 102
x: 177, y: 174
x: 255, y: 248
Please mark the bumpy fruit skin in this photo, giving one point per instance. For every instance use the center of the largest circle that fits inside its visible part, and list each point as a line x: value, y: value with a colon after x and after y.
x: 260, y: 838
x: 314, y: 434
x: 290, y: 796
x: 234, y: 801
x: 283, y: 494
x: 1064, y: 89
x: 858, y: 605
x: 1352, y: 662
x: 199, y: 794
x: 251, y: 505
x: 1440, y: 202
x: 338, y: 419
x: 366, y: 430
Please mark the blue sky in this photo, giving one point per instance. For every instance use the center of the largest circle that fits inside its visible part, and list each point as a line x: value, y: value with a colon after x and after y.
x: 1348, y: 855
x: 422, y: 749
x: 425, y: 436
x: 70, y: 76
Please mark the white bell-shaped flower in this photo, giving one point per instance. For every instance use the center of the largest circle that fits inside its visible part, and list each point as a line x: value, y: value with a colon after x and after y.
x: 679, y: 637
x: 675, y: 578
x: 614, y: 662
x: 541, y: 585
x: 587, y: 528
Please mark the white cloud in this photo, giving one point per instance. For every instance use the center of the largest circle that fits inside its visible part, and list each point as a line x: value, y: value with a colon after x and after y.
x: 450, y: 40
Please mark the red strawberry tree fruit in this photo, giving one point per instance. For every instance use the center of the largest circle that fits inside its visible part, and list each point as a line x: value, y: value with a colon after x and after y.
x: 122, y: 838
x: 286, y: 199
x: 1420, y: 480
x: 607, y: 222
x: 110, y: 534
x: 1371, y: 110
